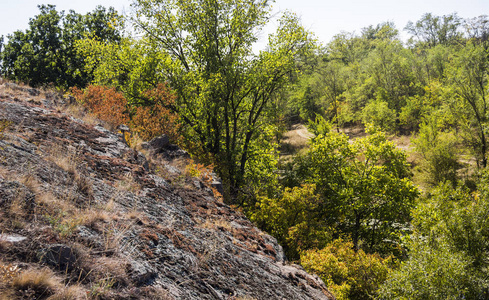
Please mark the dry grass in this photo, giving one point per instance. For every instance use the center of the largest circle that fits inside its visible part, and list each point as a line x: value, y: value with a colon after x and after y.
x: 66, y: 159
x: 81, y: 113
x: 19, y: 211
x: 65, y: 217
x: 73, y: 292
x: 111, y: 269
x: 36, y: 284
x: 216, y: 224
x: 245, y: 297
x: 128, y: 183
x: 113, y: 234
x: 294, y: 141
x: 134, y: 141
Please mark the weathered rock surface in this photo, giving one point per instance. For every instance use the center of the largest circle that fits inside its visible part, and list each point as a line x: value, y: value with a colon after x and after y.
x: 146, y: 230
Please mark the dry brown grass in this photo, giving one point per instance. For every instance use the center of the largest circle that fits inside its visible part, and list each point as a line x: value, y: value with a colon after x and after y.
x: 64, y: 158
x: 36, y: 283
x: 215, y: 224
x: 68, y: 160
x: 81, y: 113
x: 65, y: 217
x: 113, y: 234
x: 73, y: 292
x: 111, y: 269
x: 245, y: 297
x: 128, y: 183
x: 18, y: 212
x: 134, y: 141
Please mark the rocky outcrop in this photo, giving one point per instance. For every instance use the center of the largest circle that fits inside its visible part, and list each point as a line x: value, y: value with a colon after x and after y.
x: 97, y: 211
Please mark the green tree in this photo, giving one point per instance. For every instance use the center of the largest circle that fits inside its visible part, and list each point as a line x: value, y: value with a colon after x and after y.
x: 439, y: 148
x: 223, y: 88
x: 364, y: 187
x: 449, y: 247
x: 468, y: 76
x: 332, y: 75
x: 478, y: 28
x: 45, y: 52
x: 132, y: 66
x: 431, y: 272
x: 379, y: 114
x: 433, y: 30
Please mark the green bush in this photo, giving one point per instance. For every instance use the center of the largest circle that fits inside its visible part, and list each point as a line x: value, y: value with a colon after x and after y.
x: 293, y: 220
x: 431, y: 272
x: 380, y: 115
x: 447, y: 257
x: 439, y: 150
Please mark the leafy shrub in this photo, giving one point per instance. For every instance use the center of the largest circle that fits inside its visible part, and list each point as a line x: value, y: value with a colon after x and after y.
x: 292, y: 219
x: 422, y: 105
x: 105, y: 103
x: 432, y: 272
x: 439, y: 149
x: 363, y: 187
x: 149, y: 121
x: 157, y: 118
x: 449, y: 248
x: 349, y: 274
x: 380, y: 115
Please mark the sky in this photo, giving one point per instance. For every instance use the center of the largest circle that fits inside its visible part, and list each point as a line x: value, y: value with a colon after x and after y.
x: 325, y: 18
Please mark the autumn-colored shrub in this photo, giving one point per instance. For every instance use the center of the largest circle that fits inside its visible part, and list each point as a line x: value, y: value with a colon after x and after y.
x: 157, y: 118
x: 105, y: 103
x: 349, y: 274
x: 149, y: 120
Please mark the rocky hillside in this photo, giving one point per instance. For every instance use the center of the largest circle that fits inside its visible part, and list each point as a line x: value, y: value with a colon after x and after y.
x: 85, y: 216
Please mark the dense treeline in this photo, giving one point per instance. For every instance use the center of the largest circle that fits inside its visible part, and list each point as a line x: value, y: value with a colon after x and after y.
x: 45, y: 53
x: 344, y: 208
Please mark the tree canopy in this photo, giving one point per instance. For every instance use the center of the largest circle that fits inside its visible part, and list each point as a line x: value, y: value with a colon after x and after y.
x: 224, y: 89
x: 45, y: 53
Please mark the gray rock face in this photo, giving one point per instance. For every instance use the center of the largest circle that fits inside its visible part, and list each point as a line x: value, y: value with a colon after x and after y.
x: 153, y: 237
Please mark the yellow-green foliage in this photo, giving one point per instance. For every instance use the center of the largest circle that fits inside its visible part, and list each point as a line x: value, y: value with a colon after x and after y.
x: 348, y: 274
x: 291, y: 220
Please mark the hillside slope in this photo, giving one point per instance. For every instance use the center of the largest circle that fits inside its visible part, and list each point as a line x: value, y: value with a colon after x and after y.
x: 103, y: 221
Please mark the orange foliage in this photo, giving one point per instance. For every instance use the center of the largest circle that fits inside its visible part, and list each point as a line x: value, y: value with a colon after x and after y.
x: 155, y: 120
x: 105, y: 103
x: 150, y: 121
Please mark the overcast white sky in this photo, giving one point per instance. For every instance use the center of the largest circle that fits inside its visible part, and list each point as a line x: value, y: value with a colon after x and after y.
x: 324, y: 17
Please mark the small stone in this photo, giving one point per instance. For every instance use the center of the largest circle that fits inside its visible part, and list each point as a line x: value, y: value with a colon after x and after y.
x: 12, y: 238
x: 159, y: 142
